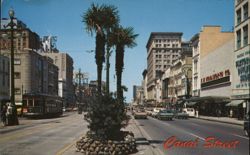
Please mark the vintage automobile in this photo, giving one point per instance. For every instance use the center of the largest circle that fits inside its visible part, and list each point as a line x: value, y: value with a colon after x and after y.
x: 165, y: 115
x: 140, y: 114
x: 246, y: 125
x: 189, y: 111
x: 156, y: 111
x: 180, y: 114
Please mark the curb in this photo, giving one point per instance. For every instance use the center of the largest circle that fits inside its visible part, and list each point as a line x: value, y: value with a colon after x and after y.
x: 153, y: 149
x: 220, y: 121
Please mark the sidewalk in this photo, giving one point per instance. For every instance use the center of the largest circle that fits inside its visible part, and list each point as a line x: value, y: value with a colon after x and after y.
x: 222, y: 119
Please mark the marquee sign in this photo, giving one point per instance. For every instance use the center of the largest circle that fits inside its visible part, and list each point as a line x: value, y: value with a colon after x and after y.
x: 222, y: 77
x: 216, y: 76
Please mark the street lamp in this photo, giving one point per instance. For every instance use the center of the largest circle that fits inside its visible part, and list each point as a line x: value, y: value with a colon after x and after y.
x: 13, y: 120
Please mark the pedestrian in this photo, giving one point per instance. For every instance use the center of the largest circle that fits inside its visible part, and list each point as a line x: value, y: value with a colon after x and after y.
x: 9, y: 114
x: 3, y: 114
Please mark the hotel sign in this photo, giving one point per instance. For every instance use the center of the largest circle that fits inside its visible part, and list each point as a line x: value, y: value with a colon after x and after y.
x: 215, y: 79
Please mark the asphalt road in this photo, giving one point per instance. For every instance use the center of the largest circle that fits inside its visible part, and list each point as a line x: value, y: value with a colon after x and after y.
x: 197, y: 132
x: 42, y: 136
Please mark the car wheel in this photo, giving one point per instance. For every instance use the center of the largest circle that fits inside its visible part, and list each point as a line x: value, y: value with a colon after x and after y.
x: 246, y: 132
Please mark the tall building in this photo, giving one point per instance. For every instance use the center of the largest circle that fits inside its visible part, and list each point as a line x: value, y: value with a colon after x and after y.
x: 24, y: 39
x: 4, y: 79
x: 144, y: 85
x: 163, y: 48
x: 65, y: 75
x: 241, y: 73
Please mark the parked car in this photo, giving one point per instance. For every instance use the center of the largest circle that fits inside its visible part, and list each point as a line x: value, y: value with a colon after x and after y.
x: 180, y: 114
x: 140, y: 113
x: 165, y: 115
x: 246, y: 125
x: 189, y: 111
x: 156, y: 111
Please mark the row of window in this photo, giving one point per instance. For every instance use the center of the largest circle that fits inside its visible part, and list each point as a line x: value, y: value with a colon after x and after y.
x: 165, y: 40
x: 239, y: 38
x: 166, y: 51
x: 166, y: 45
x: 159, y: 66
x: 239, y: 14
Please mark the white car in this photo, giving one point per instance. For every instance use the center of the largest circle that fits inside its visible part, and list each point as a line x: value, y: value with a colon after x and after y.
x: 156, y: 111
x: 189, y: 111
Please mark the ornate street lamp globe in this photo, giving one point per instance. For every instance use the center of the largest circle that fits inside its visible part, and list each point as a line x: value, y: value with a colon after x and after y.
x: 11, y: 13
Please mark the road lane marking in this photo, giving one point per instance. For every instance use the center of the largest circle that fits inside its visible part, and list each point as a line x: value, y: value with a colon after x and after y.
x: 68, y: 146
x: 144, y: 133
x: 241, y: 136
x: 197, y: 136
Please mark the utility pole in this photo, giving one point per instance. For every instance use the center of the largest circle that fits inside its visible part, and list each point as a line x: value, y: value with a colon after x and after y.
x: 79, y: 76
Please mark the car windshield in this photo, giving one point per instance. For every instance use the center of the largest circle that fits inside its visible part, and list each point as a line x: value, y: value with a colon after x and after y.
x: 166, y: 111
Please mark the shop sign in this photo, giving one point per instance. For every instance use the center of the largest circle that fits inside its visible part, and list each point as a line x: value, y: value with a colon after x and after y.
x: 216, y: 76
x: 242, y: 65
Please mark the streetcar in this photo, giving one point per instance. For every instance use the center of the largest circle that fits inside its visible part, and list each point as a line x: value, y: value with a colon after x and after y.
x: 42, y: 105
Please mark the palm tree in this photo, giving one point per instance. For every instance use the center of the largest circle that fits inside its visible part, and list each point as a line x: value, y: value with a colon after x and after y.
x: 112, y: 22
x: 99, y: 19
x: 122, y: 37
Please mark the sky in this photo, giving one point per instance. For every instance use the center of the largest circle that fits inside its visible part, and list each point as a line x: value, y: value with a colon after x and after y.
x: 63, y: 18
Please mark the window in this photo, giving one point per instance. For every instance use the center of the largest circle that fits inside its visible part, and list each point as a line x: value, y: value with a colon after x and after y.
x: 238, y: 12
x: 17, y: 75
x: 17, y: 91
x: 195, y: 83
x: 245, y: 11
x: 245, y: 35
x: 195, y: 66
x: 238, y: 33
x: 17, y: 61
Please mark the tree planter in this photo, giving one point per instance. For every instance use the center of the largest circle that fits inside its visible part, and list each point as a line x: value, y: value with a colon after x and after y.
x: 91, y: 146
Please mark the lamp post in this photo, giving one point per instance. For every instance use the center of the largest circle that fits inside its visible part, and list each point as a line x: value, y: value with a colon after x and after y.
x: 13, y: 117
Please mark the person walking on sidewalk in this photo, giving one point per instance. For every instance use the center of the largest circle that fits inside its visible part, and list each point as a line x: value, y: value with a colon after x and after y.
x: 3, y: 114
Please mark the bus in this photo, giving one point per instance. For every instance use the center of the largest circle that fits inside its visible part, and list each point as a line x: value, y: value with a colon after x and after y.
x: 42, y: 105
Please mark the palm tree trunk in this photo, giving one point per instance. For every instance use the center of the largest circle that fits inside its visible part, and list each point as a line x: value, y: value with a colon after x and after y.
x: 107, y: 70
x: 119, y: 68
x: 100, y: 46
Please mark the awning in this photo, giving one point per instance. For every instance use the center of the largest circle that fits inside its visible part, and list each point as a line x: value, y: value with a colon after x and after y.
x: 235, y: 103
x: 190, y: 103
x: 180, y: 102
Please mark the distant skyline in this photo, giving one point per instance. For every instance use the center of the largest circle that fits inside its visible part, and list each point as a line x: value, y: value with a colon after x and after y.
x: 62, y: 18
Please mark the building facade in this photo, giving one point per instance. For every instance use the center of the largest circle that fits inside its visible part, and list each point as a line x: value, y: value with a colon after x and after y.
x: 24, y: 39
x: 4, y: 79
x: 177, y: 79
x: 33, y: 74
x: 241, y: 73
x: 212, y: 68
x: 163, y: 49
x: 65, y: 75
x: 207, y: 41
